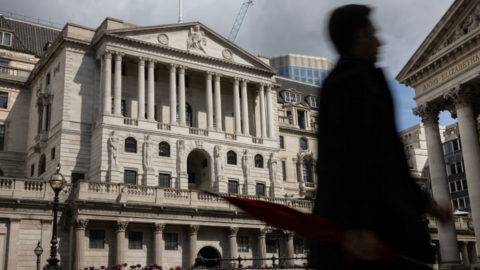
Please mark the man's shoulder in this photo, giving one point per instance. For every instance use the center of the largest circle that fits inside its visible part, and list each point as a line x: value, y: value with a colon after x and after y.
x: 346, y: 74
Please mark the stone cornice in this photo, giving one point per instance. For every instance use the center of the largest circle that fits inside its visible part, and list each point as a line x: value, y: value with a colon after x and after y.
x: 298, y: 132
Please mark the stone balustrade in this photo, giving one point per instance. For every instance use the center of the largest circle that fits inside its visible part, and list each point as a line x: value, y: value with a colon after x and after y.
x: 13, y: 73
x: 162, y: 126
x: 130, y: 121
x: 229, y: 136
x: 257, y: 140
x: 198, y: 131
x: 285, y: 121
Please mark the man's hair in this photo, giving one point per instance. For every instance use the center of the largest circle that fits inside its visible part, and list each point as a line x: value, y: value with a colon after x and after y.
x: 344, y: 21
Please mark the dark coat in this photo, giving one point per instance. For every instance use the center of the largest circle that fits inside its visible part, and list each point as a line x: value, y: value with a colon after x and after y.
x: 363, y: 176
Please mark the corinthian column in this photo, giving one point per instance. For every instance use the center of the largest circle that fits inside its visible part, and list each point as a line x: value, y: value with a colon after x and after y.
x: 107, y: 80
x: 262, y: 245
x: 245, y: 120
x: 208, y: 95
x: 461, y: 97
x: 193, y: 243
x: 290, y: 250
x: 121, y: 227
x: 232, y: 242
x: 270, y: 107
x: 218, y: 103
x: 181, y: 95
x: 79, y: 252
x: 173, y: 94
x: 158, y: 244
x: 446, y: 232
x: 117, y: 86
x: 141, y: 88
x: 263, y: 124
x: 151, y: 90
x: 236, y: 106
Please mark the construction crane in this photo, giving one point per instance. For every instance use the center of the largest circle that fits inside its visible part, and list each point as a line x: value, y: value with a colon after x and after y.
x: 239, y: 20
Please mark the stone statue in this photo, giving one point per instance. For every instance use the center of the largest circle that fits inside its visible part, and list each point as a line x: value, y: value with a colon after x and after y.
x: 113, y: 148
x: 247, y: 164
x: 196, y: 39
x: 272, y: 165
x: 181, y: 158
x: 148, y: 150
x: 219, y: 160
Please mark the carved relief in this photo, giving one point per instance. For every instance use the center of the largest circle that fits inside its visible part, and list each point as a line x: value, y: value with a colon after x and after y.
x: 121, y: 226
x: 148, y: 150
x: 227, y: 54
x: 460, y: 96
x: 219, y: 160
x: 113, y: 149
x: 272, y: 166
x: 181, y: 158
x: 196, y: 39
x: 81, y: 223
x: 163, y: 39
x: 428, y: 112
x: 199, y: 144
x: 263, y: 232
x: 246, y: 163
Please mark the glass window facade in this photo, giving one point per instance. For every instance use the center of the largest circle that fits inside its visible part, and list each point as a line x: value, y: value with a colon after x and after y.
x: 307, y: 75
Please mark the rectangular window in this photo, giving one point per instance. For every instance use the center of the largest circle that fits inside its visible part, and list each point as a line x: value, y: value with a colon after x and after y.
x: 171, y: 241
x: 464, y: 184
x: 271, y: 245
x: 135, y: 240
x: 461, y: 203
x: 2, y: 137
x: 47, y: 79
x: 77, y: 177
x: 164, y: 180
x: 52, y: 154
x: 456, y: 146
x: 122, y: 109
x: 455, y: 204
x: 3, y: 67
x: 298, y: 98
x: 459, y: 185
x: 130, y: 177
x: 32, y: 169
x: 3, y: 100
x: 47, y: 124
x: 459, y: 167
x: 284, y: 173
x: 242, y: 243
x: 452, y: 187
x: 282, y: 146
x: 6, y: 39
x: 287, y: 97
x: 97, y: 239
x: 298, y: 246
x: 232, y: 187
x: 260, y: 189
x: 453, y: 169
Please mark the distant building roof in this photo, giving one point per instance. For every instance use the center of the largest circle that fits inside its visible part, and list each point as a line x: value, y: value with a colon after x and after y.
x: 305, y: 88
x: 28, y: 37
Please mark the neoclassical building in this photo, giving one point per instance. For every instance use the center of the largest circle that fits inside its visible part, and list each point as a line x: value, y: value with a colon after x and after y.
x: 444, y: 73
x: 142, y: 120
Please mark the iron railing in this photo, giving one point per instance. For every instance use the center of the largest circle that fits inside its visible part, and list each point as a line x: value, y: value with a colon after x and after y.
x: 283, y: 262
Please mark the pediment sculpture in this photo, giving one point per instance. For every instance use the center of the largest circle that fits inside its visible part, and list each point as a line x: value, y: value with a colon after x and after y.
x: 196, y: 39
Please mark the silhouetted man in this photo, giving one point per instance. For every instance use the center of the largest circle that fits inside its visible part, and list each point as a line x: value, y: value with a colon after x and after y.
x: 364, y: 182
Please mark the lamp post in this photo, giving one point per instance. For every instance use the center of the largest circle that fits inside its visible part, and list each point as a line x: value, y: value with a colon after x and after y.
x: 38, y: 251
x: 57, y: 182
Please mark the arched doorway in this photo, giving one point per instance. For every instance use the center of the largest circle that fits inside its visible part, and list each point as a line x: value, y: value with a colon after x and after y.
x: 198, y: 169
x: 209, y: 253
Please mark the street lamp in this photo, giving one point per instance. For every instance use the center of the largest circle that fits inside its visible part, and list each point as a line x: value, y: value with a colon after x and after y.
x: 57, y: 182
x: 38, y: 251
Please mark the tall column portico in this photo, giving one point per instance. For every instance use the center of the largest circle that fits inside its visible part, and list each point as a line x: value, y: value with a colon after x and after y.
x: 218, y: 103
x: 209, y: 97
x: 262, y: 245
x: 446, y: 232
x: 193, y: 243
x: 141, y: 88
x: 245, y: 120
x: 173, y: 94
x: 107, y: 83
x: 461, y: 97
x: 158, y: 242
x: 263, y: 124
x: 236, y: 106
x: 232, y: 242
x: 151, y: 90
x: 121, y: 227
x: 181, y: 95
x: 79, y: 252
x: 271, y: 129
x: 117, y: 85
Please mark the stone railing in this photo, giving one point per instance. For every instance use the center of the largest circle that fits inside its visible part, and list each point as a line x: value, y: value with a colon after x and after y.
x: 310, y: 185
x: 198, y: 131
x: 12, y: 73
x: 285, y: 120
x: 130, y: 121
x: 229, y: 136
x: 257, y: 140
x: 19, y: 188
x: 162, y: 126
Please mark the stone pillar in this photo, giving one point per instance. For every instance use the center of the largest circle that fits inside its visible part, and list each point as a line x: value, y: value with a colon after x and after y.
x: 232, y: 242
x: 151, y: 90
x: 13, y: 242
x: 181, y: 95
x: 117, y: 86
x: 271, y: 130
x: 141, y: 88
x: 236, y: 106
x: 262, y: 245
x: 464, y: 249
x: 44, y: 116
x: 173, y: 94
x: 290, y: 251
x: 101, y: 86
x: 245, y: 120
x: 79, y: 252
x: 209, y: 97
x: 461, y: 96
x: 193, y: 243
x: 446, y: 232
x: 158, y: 244
x: 263, y: 124
x: 121, y: 227
x: 107, y: 83
x: 218, y: 103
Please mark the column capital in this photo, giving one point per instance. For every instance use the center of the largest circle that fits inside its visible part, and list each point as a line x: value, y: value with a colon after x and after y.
x: 208, y: 74
x: 263, y: 232
x: 181, y: 69
x: 81, y: 223
x: 194, y: 229
x: 244, y: 81
x: 262, y: 85
x: 235, y: 80
x: 107, y: 54
x: 118, y: 56
x: 121, y: 226
x: 173, y: 67
x: 428, y: 112
x: 460, y: 95
x: 217, y: 76
x: 233, y: 231
x: 158, y: 227
x: 151, y: 63
x: 141, y: 60
x: 290, y: 234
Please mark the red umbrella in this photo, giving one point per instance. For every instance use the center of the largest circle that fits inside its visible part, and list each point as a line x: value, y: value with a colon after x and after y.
x: 308, y: 225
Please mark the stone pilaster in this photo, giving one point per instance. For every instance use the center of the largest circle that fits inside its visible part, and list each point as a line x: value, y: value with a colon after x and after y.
x: 270, y: 107
x: 209, y: 99
x: 79, y: 253
x: 263, y: 124
x: 158, y: 244
x: 244, y: 100
x: 181, y: 95
x: 141, y: 88
x: 151, y: 90
x: 193, y: 231
x: 107, y: 83
x: 236, y: 106
x: 117, y: 85
x: 464, y: 250
x: 218, y: 102
x: 13, y: 242
x: 290, y: 250
x: 173, y: 94
x: 232, y: 242
x: 262, y: 245
x: 121, y: 227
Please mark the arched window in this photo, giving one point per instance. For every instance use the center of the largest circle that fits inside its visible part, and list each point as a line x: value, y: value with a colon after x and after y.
x: 258, y: 161
x: 164, y: 149
x: 303, y: 144
x: 306, y: 172
x: 232, y: 158
x: 188, y: 115
x: 42, y: 166
x: 130, y: 145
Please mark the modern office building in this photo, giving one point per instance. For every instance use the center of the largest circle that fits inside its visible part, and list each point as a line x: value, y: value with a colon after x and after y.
x: 308, y: 69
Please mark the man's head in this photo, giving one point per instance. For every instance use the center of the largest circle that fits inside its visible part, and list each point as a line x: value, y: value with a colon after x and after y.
x: 352, y: 33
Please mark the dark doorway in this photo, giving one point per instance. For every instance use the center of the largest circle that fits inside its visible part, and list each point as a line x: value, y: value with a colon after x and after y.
x: 209, y: 253
x: 198, y: 169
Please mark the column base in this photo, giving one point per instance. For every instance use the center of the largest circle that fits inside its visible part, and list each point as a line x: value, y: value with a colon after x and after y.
x: 114, y: 172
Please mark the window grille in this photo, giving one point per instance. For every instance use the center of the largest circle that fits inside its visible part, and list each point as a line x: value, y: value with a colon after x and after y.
x: 306, y: 172
x: 233, y: 187
x: 164, y: 149
x: 232, y: 158
x: 130, y: 177
x: 271, y: 245
x: 260, y: 189
x: 135, y: 240
x: 242, y: 243
x: 97, y: 239
x: 3, y: 100
x: 130, y: 145
x: 298, y: 246
x: 171, y: 241
x: 164, y: 180
x: 282, y: 146
x: 258, y: 161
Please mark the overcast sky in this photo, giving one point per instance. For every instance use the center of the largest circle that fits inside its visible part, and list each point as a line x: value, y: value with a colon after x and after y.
x: 271, y: 27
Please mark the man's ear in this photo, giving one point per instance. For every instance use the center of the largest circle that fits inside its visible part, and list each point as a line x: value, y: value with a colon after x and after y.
x: 360, y: 33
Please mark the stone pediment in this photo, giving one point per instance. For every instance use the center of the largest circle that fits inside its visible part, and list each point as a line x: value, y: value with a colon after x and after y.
x: 458, y: 26
x: 193, y: 38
